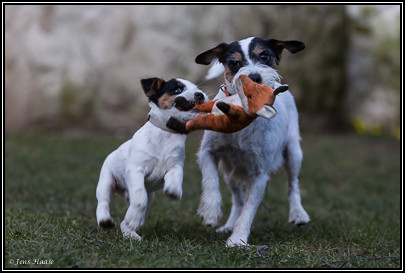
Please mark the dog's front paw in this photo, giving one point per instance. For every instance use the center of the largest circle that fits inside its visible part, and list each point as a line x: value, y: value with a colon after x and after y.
x: 235, y: 241
x: 298, y: 216
x: 128, y: 232
x: 210, y: 208
x: 210, y: 221
x: 107, y: 223
x: 210, y: 217
x: 104, y: 218
x: 225, y: 229
x: 173, y: 192
x: 176, y: 125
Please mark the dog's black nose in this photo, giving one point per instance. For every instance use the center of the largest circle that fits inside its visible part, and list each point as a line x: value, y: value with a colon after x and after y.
x: 199, y: 97
x: 255, y: 77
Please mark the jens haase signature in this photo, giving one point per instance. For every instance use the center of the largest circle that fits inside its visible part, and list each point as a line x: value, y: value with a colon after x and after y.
x: 30, y: 261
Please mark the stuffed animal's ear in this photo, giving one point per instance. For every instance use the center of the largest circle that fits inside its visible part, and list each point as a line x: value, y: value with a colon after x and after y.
x: 152, y: 85
x: 267, y: 112
x: 292, y: 46
x: 280, y: 89
x: 214, y: 53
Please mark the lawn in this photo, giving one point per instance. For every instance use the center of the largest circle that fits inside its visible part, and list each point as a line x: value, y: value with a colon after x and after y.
x: 350, y: 185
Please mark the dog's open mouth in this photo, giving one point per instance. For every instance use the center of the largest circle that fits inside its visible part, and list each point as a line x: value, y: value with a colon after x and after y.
x: 183, y: 104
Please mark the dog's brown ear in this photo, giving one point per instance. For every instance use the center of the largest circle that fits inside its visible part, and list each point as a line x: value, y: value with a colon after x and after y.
x: 292, y: 46
x: 209, y: 55
x: 152, y: 85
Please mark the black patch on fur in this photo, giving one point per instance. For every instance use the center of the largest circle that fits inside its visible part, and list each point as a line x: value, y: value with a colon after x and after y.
x: 271, y: 47
x: 231, y: 49
x: 168, y: 87
x: 278, y: 46
x: 107, y: 224
x: 173, y: 195
x: 225, y: 54
x: 209, y: 55
x: 265, y: 50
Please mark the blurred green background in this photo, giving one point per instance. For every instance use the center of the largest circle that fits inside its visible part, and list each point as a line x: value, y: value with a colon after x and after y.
x: 77, y: 68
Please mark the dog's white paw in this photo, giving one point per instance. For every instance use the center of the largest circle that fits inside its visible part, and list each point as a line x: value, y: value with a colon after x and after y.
x: 103, y: 215
x: 298, y: 216
x: 210, y: 212
x: 210, y: 218
x: 210, y: 221
x: 129, y: 233
x: 224, y: 229
x: 173, y: 191
x: 235, y: 241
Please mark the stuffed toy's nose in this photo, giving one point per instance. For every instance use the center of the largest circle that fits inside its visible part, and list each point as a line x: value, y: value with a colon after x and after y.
x: 245, y: 80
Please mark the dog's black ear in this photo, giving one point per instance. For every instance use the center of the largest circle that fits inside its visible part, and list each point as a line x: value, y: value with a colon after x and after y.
x: 152, y: 85
x: 292, y: 46
x: 209, y: 55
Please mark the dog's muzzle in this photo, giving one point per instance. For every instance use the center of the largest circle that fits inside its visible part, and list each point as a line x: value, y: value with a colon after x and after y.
x: 182, y: 104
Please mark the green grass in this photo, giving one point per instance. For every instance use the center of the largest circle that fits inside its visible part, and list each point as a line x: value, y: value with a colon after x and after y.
x: 350, y: 185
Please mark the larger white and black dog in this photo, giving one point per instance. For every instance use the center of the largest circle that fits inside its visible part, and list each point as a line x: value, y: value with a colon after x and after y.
x: 248, y: 157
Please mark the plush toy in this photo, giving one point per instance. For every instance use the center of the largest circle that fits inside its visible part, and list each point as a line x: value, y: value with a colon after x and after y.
x: 227, y: 117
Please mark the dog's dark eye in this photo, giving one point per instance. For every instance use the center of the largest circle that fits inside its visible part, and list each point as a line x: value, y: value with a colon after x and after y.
x: 178, y: 91
x: 264, y: 57
x: 234, y: 64
x: 249, y: 97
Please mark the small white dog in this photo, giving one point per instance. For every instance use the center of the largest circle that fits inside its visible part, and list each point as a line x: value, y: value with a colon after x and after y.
x: 152, y: 159
x: 249, y: 156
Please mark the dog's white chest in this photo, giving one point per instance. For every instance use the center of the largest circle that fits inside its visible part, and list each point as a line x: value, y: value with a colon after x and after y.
x: 151, y: 151
x: 156, y: 151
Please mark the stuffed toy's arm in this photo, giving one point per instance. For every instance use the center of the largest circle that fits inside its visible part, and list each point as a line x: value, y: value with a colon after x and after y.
x: 206, y: 107
x: 181, y: 127
x: 177, y: 126
x: 233, y: 120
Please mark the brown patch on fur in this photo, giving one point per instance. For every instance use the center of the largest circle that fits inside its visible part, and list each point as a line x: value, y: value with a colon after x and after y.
x: 228, y: 74
x: 180, y: 85
x: 237, y: 57
x: 166, y: 101
x: 157, y: 83
x: 257, y: 50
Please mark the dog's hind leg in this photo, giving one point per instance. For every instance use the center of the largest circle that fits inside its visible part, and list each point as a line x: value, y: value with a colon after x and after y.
x: 293, y: 158
x: 139, y: 201
x: 254, y: 195
x: 237, y: 204
x: 105, y: 187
